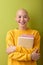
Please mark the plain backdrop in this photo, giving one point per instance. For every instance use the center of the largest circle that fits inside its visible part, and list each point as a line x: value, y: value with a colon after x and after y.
x: 8, y: 10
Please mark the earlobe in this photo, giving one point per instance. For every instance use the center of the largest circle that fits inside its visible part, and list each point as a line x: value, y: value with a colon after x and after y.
x: 28, y: 18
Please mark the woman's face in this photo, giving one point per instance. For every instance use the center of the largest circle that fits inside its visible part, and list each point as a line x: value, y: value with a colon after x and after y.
x: 22, y: 18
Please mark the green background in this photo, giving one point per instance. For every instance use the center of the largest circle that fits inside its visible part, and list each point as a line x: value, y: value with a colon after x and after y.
x: 8, y: 10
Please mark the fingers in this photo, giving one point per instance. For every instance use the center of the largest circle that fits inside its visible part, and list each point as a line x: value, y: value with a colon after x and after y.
x: 35, y: 56
x: 11, y: 49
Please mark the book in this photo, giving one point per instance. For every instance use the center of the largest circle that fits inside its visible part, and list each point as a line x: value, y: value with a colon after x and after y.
x: 26, y: 41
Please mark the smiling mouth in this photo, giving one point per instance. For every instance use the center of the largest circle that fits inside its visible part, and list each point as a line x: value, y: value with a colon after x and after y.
x: 22, y: 23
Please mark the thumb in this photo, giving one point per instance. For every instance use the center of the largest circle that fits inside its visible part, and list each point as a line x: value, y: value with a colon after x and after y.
x: 36, y: 50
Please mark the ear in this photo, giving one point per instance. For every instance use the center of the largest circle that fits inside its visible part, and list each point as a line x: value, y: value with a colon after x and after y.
x: 28, y: 18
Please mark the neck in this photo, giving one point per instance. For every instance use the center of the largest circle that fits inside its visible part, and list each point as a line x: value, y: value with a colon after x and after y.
x: 22, y: 28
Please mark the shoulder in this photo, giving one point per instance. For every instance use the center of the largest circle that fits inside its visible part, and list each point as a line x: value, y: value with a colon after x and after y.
x: 11, y: 32
x: 35, y: 31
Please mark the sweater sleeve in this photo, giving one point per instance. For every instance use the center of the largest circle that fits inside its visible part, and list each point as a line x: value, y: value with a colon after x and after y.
x: 36, y: 42
x: 22, y: 54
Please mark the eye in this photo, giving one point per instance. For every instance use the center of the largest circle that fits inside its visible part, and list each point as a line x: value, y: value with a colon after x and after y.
x: 19, y: 16
x: 25, y: 16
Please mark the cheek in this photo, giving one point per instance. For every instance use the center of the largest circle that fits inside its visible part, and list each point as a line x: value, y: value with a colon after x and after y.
x: 26, y: 20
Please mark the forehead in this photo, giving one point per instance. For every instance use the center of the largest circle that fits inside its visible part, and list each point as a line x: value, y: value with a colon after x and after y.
x: 22, y: 12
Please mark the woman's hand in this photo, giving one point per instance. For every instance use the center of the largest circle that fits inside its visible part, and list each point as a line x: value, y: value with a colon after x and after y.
x: 10, y: 49
x: 35, y: 55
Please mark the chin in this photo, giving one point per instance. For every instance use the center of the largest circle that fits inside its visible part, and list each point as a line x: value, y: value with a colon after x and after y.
x: 22, y: 25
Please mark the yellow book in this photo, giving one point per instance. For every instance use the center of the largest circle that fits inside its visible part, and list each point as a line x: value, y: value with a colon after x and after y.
x: 26, y: 41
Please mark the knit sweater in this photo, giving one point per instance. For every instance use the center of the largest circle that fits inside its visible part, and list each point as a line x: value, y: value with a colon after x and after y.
x: 22, y: 56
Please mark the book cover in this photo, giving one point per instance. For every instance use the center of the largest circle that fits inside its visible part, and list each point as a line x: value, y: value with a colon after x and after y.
x: 26, y: 41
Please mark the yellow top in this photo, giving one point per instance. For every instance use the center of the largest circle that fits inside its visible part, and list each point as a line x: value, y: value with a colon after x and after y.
x: 22, y: 56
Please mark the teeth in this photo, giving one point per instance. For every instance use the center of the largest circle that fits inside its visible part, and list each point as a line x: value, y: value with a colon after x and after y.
x: 23, y: 23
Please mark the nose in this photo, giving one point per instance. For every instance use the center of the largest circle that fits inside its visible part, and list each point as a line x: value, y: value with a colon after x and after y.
x: 22, y: 19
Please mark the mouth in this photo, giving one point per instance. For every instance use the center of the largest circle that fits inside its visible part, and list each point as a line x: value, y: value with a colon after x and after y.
x: 22, y: 23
